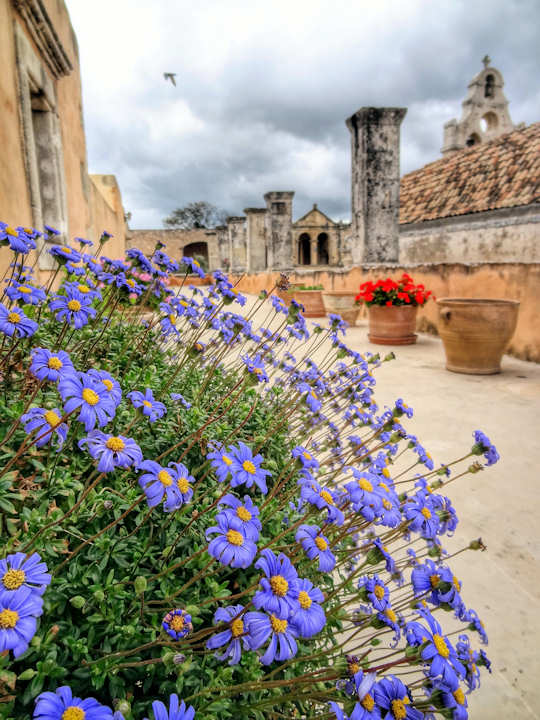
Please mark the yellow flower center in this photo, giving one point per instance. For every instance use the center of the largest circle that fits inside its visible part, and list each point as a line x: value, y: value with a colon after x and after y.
x: 257, y: 371
x: 313, y: 395
x: 434, y: 580
x: 130, y: 282
x: 74, y: 305
x: 172, y: 319
x: 52, y: 418
x: 147, y: 403
x: 321, y: 543
x: 243, y: 513
x: 278, y: 626
x: 391, y: 615
x: 14, y: 317
x: 387, y: 504
x: 54, y: 363
x: 73, y: 713
x: 237, y: 627
x: 108, y: 384
x: 90, y: 397
x: 442, y: 647
x: 83, y: 289
x: 177, y: 623
x: 384, y: 485
x: 327, y: 497
x: 398, y: 709
x: 365, y: 485
x: 25, y: 290
x: 226, y: 460
x: 249, y: 467
x: 459, y: 696
x: 183, y: 303
x: 386, y: 473
x: 378, y: 591
x: 13, y: 579
x: 66, y: 250
x: 304, y: 600
x: 456, y: 583
x: 198, y: 346
x: 195, y: 263
x: 426, y: 513
x: 307, y: 455
x: 354, y: 668
x: 183, y: 485
x: 235, y: 538
x: 279, y: 585
x: 164, y: 478
x: 116, y: 444
x: 368, y: 703
x: 11, y: 231
x: 8, y: 619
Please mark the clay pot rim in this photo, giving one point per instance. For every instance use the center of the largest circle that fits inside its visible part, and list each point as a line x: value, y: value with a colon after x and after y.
x: 339, y: 292
x: 476, y: 301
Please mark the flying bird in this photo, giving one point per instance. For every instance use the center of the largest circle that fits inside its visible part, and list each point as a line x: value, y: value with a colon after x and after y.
x: 170, y: 76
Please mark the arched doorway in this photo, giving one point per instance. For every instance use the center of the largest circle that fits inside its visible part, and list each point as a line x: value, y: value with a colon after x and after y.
x: 323, y: 256
x: 198, y: 251
x: 304, y: 249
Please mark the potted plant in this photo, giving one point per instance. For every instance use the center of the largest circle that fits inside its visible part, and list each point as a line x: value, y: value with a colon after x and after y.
x: 341, y: 302
x: 310, y: 296
x: 475, y: 332
x: 392, y: 307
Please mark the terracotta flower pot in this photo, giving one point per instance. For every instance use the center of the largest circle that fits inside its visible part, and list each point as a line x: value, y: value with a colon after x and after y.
x: 392, y: 324
x: 341, y: 303
x: 310, y: 299
x: 475, y: 333
x: 186, y: 281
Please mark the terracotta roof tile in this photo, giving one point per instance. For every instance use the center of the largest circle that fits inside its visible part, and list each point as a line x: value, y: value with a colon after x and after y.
x: 502, y: 173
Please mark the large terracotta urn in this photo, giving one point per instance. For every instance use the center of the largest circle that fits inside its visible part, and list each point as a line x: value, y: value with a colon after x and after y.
x: 310, y: 299
x: 392, y: 324
x: 475, y: 332
x: 341, y: 302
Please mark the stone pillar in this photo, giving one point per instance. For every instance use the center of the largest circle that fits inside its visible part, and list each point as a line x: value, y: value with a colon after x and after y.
x: 279, y: 230
x: 224, y: 254
x: 256, y: 239
x: 375, y: 183
x: 237, y: 243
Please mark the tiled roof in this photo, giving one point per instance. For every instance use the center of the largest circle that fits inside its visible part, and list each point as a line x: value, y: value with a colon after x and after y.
x: 502, y: 173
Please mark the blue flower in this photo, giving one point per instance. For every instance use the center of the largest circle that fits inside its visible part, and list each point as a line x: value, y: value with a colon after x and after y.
x: 392, y: 695
x: 85, y: 288
x: 18, y: 571
x: 75, y: 308
x: 179, y: 398
x: 176, y: 711
x: 15, y: 322
x: 484, y: 446
x: 309, y: 619
x: 48, y: 425
x: 280, y: 587
x: 51, y: 231
x: 246, y: 468
x: 230, y: 547
x: 112, y: 451
x: 365, y: 708
x: 47, y: 365
x: 282, y: 636
x: 194, y: 266
x: 83, y: 241
x: 177, y: 624
x: 375, y: 590
x: 452, y: 696
x: 316, y: 545
x: 255, y: 366
x: 323, y: 499
x: 57, y: 706
x: 18, y: 240
x: 305, y: 458
x: 112, y: 386
x: 28, y: 294
x: 221, y: 461
x: 65, y: 253
x: 18, y: 613
x: 439, y: 653
x: 173, y: 483
x: 245, y: 515
x: 234, y: 637
x: 80, y: 390
x: 422, y: 516
x: 152, y: 408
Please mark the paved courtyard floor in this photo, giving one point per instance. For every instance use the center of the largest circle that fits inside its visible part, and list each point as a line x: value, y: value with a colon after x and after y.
x: 500, y: 505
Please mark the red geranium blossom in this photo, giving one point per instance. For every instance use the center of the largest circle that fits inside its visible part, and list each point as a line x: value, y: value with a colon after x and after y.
x: 391, y: 292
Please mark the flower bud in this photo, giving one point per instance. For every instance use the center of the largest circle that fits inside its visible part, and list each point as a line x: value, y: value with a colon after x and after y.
x: 27, y: 674
x: 178, y: 659
x: 477, y: 545
x: 140, y: 584
x: 122, y: 706
x: 77, y: 601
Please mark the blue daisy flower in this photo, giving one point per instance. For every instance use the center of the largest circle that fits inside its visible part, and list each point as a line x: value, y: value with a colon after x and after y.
x: 316, y: 546
x: 64, y: 253
x: 281, y: 633
x: 230, y: 547
x: 112, y: 386
x: 112, y: 451
x: 18, y: 240
x: 422, y: 516
x: 47, y: 365
x: 62, y: 705
x: 149, y: 406
x: 222, y: 461
x: 27, y: 294
x: 255, y: 366
x: 323, y: 499
x: 439, y: 653
x: 176, y: 711
x: 74, y: 308
x: 392, y: 695
x: 47, y: 425
x: 244, y: 514
x: 484, y: 446
x: 234, y: 637
x: 246, y: 468
x: 15, y: 322
x: 84, y: 391
x: 365, y: 709
x: 194, y: 266
x: 18, y: 613
x: 19, y: 571
x: 172, y: 483
x: 280, y: 587
x: 85, y: 288
x: 177, y: 624
x: 375, y: 590
x: 179, y: 398
x: 310, y: 618
x: 305, y: 458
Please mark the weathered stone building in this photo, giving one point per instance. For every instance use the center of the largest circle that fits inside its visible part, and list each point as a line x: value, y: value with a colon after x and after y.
x: 43, y: 166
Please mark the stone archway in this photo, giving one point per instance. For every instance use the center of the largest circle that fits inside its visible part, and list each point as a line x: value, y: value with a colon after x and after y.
x: 304, y: 249
x: 198, y: 251
x: 323, y: 252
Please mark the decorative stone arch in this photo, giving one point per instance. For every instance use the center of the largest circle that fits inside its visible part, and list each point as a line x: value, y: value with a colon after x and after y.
x: 304, y: 249
x: 473, y: 139
x: 323, y: 249
x: 194, y: 249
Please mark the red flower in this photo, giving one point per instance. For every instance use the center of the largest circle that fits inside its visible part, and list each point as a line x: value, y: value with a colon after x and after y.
x: 389, y: 302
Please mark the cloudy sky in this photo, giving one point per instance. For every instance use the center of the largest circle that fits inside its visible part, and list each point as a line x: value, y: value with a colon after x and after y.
x: 263, y: 89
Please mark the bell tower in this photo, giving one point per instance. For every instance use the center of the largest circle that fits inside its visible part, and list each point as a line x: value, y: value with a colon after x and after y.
x: 485, y: 113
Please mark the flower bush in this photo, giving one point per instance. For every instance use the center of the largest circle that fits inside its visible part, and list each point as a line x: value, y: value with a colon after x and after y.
x: 205, y: 513
x: 391, y: 292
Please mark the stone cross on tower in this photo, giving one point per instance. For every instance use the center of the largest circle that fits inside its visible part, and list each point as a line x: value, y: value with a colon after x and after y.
x: 486, y: 60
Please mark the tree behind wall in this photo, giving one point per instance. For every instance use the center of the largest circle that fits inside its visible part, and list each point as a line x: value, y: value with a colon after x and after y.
x: 196, y: 215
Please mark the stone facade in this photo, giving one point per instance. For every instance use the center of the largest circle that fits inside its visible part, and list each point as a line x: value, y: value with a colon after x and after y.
x: 43, y: 167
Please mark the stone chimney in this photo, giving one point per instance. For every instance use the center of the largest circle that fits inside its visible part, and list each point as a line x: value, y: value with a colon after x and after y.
x: 279, y: 229
x: 375, y: 183
x: 256, y: 239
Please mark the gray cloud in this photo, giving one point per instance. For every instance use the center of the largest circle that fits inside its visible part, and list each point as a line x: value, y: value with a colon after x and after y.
x: 264, y: 89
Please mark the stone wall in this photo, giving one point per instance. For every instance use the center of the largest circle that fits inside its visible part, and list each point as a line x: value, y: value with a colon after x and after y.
x: 514, y: 281
x: 175, y: 242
